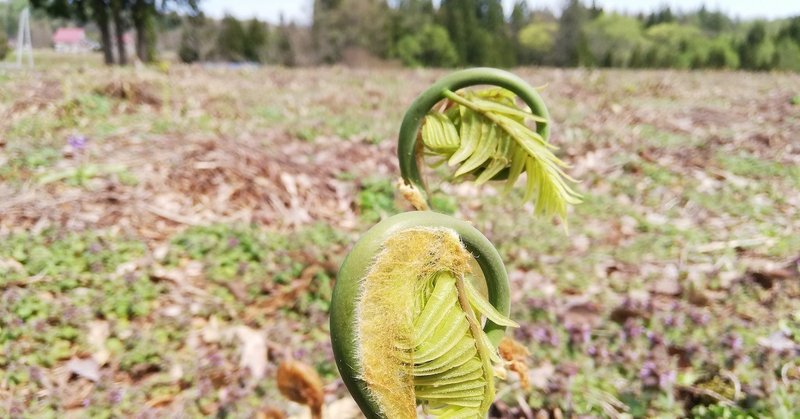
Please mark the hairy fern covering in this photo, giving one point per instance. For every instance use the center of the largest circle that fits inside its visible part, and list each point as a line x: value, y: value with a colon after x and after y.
x: 420, y: 336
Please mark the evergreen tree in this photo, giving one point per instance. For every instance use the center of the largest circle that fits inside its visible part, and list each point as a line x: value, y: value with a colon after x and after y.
x: 662, y: 16
x: 255, y: 40
x: 751, y: 51
x: 571, y: 46
x: 787, y: 46
x: 457, y: 16
x: 231, y: 40
x: 285, y: 49
x: 520, y: 16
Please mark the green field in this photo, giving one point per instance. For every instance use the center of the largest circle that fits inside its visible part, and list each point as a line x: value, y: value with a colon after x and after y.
x: 169, y: 234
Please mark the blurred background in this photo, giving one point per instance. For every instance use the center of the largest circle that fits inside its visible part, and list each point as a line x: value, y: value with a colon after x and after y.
x: 180, y: 181
x: 649, y: 34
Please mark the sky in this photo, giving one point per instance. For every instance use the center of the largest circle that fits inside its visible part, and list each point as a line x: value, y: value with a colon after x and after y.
x: 299, y: 11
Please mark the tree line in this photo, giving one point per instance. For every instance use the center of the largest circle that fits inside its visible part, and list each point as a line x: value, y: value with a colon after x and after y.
x: 478, y: 32
x: 232, y: 40
x: 454, y: 33
x: 113, y: 18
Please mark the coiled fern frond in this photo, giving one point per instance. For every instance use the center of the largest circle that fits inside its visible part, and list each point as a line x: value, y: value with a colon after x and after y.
x: 485, y: 135
x: 410, y: 328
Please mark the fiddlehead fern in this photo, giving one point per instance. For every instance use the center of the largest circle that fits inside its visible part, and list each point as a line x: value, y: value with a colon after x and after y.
x: 408, y: 326
x: 405, y: 318
x: 485, y: 134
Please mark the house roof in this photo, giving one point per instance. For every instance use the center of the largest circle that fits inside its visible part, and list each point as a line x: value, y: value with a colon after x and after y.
x: 69, y: 36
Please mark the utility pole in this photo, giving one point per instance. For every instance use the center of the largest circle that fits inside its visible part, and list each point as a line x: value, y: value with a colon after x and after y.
x: 24, y: 42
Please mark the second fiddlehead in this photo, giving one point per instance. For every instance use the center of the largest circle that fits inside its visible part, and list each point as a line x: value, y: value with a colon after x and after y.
x: 486, y: 135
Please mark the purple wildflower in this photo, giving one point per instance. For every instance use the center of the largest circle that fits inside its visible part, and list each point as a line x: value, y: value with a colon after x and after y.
x: 654, y: 377
x: 666, y: 379
x: 597, y: 351
x: 648, y: 368
x: 215, y: 359
x: 579, y: 334
x: 77, y: 142
x: 734, y: 342
x: 671, y: 320
x: 649, y: 374
x: 115, y: 397
x: 546, y: 335
x: 699, y: 317
x: 632, y: 329
x: 655, y: 338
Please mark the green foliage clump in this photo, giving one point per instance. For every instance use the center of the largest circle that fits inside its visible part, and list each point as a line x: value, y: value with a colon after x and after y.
x: 376, y: 199
x: 54, y: 284
x: 757, y: 51
x: 244, y: 263
x: 719, y: 411
x: 430, y: 47
x: 614, y: 38
x: 536, y: 41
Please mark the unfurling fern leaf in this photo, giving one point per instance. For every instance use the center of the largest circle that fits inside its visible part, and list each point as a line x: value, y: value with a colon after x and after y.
x: 409, y: 323
x: 488, y: 135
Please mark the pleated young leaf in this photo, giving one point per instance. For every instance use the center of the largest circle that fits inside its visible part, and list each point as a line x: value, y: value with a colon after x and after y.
x: 439, y: 134
x: 452, y: 363
x: 492, y: 136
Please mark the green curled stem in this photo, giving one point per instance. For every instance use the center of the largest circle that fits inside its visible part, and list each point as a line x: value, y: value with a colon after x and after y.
x: 407, y: 143
x: 346, y: 293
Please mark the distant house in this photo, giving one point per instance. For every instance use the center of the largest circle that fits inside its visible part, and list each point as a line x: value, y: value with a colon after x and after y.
x: 72, y: 40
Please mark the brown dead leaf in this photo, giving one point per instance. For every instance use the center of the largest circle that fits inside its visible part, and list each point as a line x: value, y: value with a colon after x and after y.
x: 301, y: 384
x: 270, y: 413
x: 160, y: 401
x: 516, y: 355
